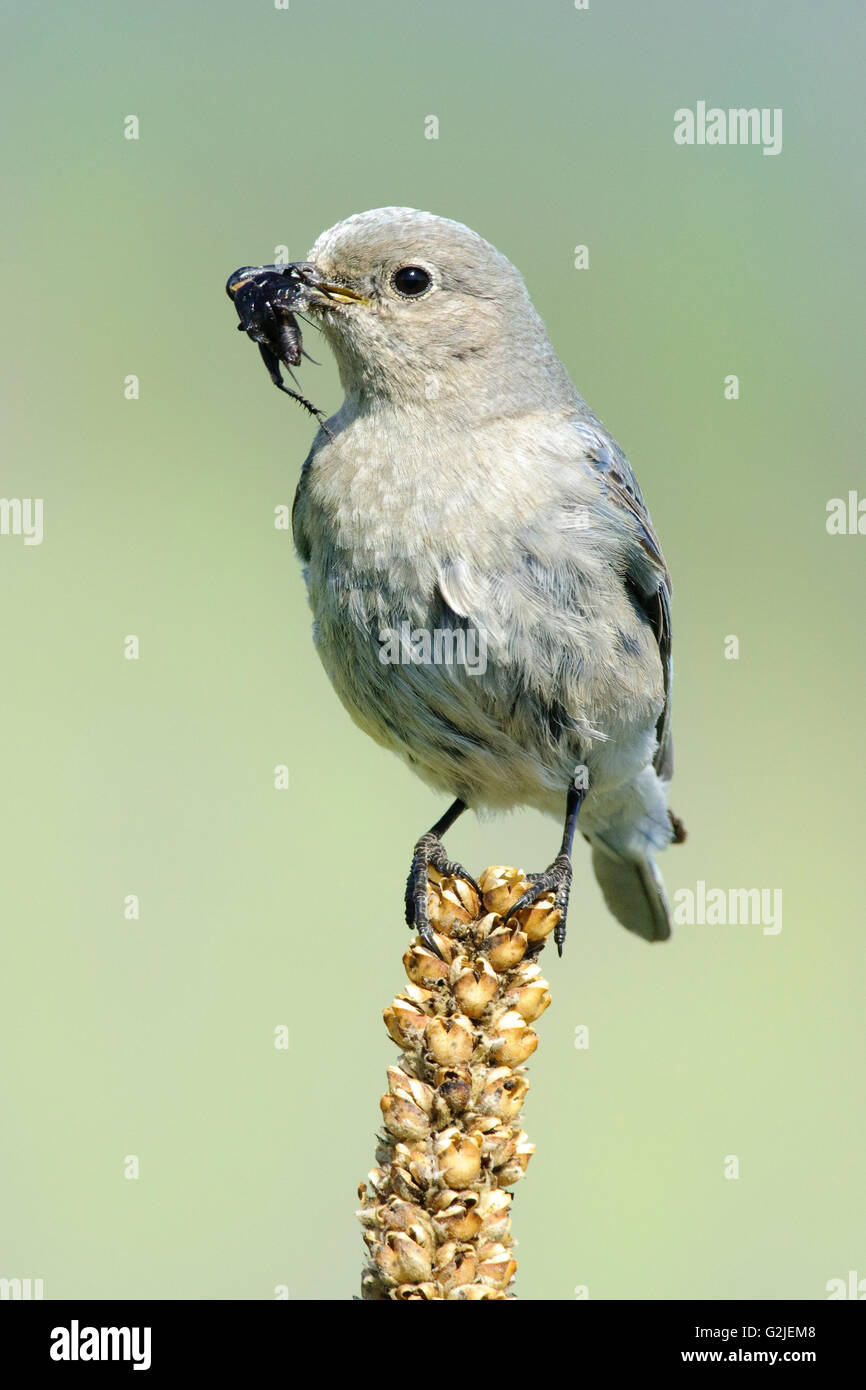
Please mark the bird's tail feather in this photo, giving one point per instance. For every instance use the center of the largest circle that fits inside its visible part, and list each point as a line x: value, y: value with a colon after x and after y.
x: 633, y: 890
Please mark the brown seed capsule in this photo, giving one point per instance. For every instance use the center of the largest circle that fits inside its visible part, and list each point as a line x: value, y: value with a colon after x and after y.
x: 459, y: 1157
x: 405, y: 1022
x: 482, y: 1124
x: 400, y: 1083
x: 504, y: 1093
x: 524, y: 1150
x: 499, y: 1146
x: 448, y: 906
x: 506, y: 946
x: 458, y: 1222
x: 423, y: 967
x: 404, y: 1185
x: 423, y: 1168
x: 468, y: 897
x: 502, y: 887
x: 512, y: 1041
x: 377, y: 1180
x: 539, y: 920
x: 450, y: 1040
x: 397, y: 1215
x: 454, y: 1089
x: 496, y: 1265
x: 403, y: 1118
x: 455, y: 1265
x: 401, y: 1260
x: 475, y: 987
x: 422, y: 997
x: 435, y: 1209
x: 531, y: 1000
x: 495, y: 1211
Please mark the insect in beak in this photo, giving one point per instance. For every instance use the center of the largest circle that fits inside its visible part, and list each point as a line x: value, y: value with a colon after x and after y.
x: 266, y: 298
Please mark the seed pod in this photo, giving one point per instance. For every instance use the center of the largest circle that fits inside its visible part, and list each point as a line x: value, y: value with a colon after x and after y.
x: 530, y: 1000
x: 435, y: 1210
x: 475, y: 987
x: 450, y: 1040
x: 501, y: 887
x: 506, y: 946
x: 405, y: 1022
x: 423, y: 967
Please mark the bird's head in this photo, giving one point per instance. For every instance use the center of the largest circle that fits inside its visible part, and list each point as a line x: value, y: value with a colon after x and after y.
x: 416, y: 306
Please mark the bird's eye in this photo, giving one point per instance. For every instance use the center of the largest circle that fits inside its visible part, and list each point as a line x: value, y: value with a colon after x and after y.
x: 411, y: 280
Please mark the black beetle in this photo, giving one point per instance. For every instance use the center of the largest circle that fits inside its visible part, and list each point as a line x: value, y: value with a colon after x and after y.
x: 265, y: 297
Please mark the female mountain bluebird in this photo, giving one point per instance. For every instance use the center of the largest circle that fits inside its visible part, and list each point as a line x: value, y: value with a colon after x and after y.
x: 490, y: 598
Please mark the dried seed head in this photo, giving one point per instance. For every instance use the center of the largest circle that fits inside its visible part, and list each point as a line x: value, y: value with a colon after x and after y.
x: 539, y: 920
x: 401, y: 1260
x: 468, y: 897
x: 451, y: 903
x: 400, y: 1083
x: 422, y: 997
x: 423, y: 967
x: 404, y: 1185
x: 524, y: 1150
x: 506, y: 946
x: 434, y: 1212
x: 475, y: 987
x: 494, y: 1210
x: 499, y: 1146
x: 454, y: 1088
x: 503, y: 1094
x: 403, y: 1118
x: 459, y: 1157
x: 405, y: 1022
x: 456, y: 1264
x: 423, y: 1168
x: 512, y: 1041
x: 496, y: 1265
x: 531, y: 1000
x: 397, y: 1215
x: 502, y: 887
x: 450, y: 1040
x: 460, y: 1221
x: 423, y: 1293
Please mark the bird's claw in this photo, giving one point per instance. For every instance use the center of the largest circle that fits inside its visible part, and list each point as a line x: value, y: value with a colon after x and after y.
x: 556, y: 880
x: 429, y: 853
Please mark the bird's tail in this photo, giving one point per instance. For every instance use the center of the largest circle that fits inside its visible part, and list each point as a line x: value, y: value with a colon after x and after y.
x: 633, y: 890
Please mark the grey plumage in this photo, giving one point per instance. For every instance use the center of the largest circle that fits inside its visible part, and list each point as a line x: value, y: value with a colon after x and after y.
x: 467, y: 485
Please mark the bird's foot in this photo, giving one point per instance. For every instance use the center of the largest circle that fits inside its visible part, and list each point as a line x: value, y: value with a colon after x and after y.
x: 555, y: 880
x: 429, y: 853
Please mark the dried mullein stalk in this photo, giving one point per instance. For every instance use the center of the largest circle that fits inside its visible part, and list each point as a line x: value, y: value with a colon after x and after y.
x: 436, y: 1210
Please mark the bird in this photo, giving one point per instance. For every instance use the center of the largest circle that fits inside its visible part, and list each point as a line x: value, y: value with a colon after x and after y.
x: 490, y: 599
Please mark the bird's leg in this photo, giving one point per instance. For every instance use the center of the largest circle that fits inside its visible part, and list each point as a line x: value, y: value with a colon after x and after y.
x: 431, y: 851
x: 556, y: 879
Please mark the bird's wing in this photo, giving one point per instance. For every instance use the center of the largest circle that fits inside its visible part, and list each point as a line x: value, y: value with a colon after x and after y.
x: 647, y: 575
x: 531, y: 607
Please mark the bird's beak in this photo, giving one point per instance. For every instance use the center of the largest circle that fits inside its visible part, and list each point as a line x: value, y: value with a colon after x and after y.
x: 304, y: 285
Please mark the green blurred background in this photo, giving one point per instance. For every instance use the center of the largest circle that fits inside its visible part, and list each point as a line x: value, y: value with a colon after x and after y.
x: 154, y: 777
